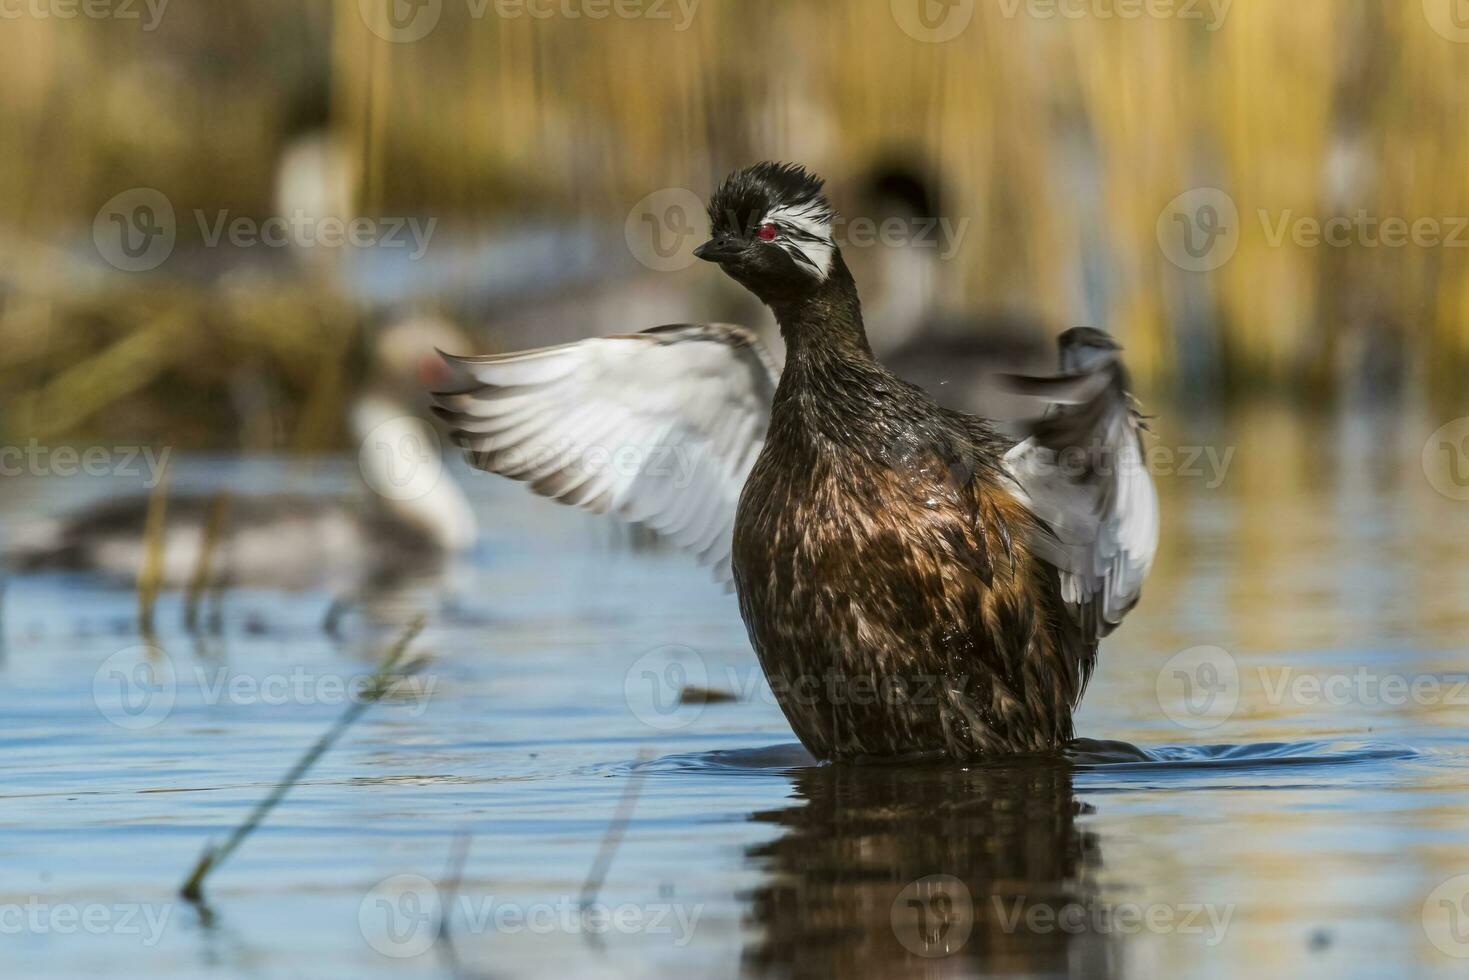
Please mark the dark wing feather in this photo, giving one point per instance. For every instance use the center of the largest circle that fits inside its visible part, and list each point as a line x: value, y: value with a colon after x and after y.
x: 1081, y: 469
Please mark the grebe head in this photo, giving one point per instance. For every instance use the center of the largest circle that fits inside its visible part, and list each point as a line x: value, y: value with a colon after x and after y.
x: 771, y: 231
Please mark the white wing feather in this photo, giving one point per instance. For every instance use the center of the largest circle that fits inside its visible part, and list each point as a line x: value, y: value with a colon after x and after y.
x: 660, y: 427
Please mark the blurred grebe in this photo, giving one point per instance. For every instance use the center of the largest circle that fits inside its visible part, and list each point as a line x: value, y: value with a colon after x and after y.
x: 914, y: 583
x: 388, y: 532
x: 953, y: 354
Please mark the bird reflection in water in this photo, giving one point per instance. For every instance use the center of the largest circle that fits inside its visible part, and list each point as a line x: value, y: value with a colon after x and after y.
x: 929, y: 871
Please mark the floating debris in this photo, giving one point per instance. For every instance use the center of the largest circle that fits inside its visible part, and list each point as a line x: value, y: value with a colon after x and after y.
x: 693, y: 694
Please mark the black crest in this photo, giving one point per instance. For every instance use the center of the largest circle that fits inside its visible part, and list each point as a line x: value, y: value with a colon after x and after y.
x: 748, y: 195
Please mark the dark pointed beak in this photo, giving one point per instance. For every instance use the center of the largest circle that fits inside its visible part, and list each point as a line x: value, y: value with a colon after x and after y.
x: 719, y: 249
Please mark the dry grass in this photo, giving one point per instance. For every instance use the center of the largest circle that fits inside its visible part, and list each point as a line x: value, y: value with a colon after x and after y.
x: 1059, y: 140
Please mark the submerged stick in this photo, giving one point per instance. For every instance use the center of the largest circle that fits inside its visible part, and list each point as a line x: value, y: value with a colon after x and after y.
x: 611, y: 840
x: 381, y: 683
x: 448, y: 897
x: 592, y: 887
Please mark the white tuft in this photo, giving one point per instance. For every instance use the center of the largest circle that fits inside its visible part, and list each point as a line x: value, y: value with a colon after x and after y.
x: 804, y: 231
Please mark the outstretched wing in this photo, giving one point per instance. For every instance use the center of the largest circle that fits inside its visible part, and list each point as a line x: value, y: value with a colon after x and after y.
x: 660, y: 427
x: 1082, y: 470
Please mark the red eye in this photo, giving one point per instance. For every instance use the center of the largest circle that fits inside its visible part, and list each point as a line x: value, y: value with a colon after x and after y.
x: 767, y: 232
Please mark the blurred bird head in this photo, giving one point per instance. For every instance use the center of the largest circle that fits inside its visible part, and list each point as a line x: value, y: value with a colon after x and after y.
x: 1085, y: 349
x: 771, y: 231
x: 405, y: 359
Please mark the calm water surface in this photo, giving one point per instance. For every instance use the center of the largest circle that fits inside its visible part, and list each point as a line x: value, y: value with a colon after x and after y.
x: 1274, y: 777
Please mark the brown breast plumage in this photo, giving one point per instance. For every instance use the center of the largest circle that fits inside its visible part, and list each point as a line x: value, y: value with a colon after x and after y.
x: 895, y: 606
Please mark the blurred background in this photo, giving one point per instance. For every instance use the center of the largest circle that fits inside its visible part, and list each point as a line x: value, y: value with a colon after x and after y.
x: 210, y: 219
x: 519, y: 142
